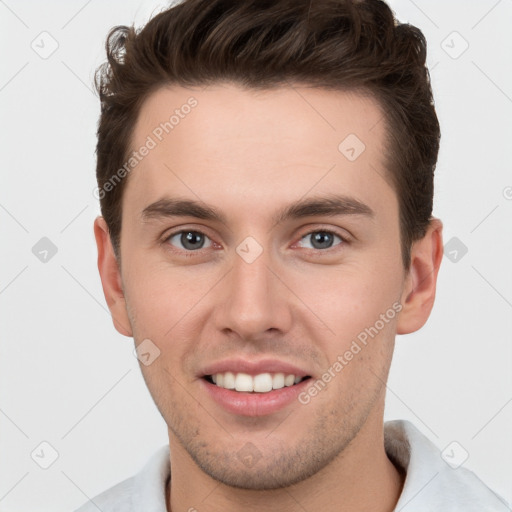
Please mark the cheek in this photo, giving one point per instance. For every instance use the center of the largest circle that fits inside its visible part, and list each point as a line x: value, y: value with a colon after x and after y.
x: 151, y: 307
x: 360, y: 307
x: 166, y: 304
x: 350, y: 298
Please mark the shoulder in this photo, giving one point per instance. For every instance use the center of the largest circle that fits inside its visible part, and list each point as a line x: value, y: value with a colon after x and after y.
x: 116, y: 499
x: 143, y: 491
x: 431, y: 483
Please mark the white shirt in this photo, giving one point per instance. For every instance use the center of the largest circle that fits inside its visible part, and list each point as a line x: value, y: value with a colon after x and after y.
x: 431, y: 485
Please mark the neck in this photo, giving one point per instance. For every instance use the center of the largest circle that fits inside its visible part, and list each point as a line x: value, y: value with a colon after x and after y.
x: 360, y: 478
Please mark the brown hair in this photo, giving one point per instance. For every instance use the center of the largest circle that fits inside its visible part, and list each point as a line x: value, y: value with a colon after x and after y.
x: 260, y: 44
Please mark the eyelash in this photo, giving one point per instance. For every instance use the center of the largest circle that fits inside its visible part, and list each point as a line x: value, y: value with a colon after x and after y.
x: 189, y: 253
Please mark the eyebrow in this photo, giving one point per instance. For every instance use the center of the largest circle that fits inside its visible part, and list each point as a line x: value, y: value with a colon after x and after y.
x: 331, y: 205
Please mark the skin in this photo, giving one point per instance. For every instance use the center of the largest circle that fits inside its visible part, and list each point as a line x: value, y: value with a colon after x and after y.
x: 249, y: 154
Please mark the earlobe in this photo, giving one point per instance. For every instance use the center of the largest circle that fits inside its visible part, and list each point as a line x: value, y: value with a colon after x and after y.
x: 111, y: 278
x: 420, y: 286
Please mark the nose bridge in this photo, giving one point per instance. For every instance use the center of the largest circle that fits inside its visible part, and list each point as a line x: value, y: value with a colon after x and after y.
x: 253, y: 304
x: 251, y: 277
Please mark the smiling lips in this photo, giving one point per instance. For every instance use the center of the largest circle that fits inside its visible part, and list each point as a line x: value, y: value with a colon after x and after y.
x: 254, y: 395
x: 260, y: 383
x: 253, y: 388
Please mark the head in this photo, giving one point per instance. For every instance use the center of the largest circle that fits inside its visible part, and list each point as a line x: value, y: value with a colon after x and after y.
x: 279, y: 214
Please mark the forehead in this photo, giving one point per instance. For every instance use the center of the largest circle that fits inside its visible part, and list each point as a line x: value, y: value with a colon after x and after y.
x: 226, y: 111
x: 274, y: 144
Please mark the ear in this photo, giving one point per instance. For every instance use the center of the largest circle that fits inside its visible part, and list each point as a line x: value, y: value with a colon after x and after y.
x: 420, y: 284
x: 111, y: 278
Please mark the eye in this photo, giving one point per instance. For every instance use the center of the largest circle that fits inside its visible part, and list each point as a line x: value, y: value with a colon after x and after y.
x: 189, y: 240
x: 321, y: 239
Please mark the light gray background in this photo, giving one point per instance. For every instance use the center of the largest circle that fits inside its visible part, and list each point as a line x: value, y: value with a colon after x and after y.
x: 68, y: 378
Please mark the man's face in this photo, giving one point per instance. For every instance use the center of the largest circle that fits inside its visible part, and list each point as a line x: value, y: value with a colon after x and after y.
x: 258, y: 292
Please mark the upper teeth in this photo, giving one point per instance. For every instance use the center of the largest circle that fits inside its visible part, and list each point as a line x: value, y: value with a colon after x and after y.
x: 261, y: 383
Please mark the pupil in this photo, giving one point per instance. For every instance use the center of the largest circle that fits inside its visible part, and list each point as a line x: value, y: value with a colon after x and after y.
x: 321, y: 240
x: 190, y: 238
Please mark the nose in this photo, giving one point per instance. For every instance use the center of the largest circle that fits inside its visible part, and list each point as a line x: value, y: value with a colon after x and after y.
x: 255, y: 301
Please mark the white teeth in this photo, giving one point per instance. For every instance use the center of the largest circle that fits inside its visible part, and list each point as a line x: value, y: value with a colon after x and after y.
x: 229, y: 380
x: 243, y: 382
x: 261, y: 383
x: 278, y: 381
x: 289, y: 380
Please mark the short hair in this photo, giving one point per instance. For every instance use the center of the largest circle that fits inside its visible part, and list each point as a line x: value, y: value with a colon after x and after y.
x: 345, y: 45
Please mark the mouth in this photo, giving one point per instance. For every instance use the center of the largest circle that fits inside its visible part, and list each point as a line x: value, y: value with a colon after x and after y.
x: 242, y: 387
x: 259, y: 383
